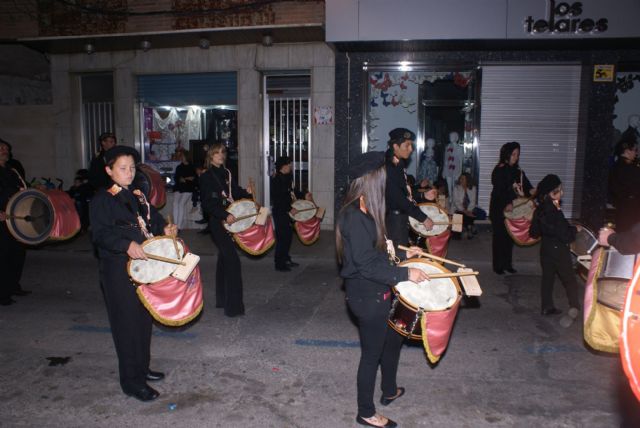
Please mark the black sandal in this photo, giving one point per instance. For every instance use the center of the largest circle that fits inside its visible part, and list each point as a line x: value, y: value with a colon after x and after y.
x: 385, y: 401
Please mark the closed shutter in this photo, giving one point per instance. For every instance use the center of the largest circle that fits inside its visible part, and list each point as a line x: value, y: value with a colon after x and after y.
x: 203, y: 89
x: 537, y: 106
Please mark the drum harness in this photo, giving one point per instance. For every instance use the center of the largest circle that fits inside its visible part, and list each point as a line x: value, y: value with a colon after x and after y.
x: 116, y: 190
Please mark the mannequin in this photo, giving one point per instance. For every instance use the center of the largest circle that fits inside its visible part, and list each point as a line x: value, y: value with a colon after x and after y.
x: 428, y: 169
x: 452, y: 161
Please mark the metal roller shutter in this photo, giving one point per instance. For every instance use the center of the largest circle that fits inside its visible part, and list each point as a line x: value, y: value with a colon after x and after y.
x: 188, y: 89
x: 538, y: 106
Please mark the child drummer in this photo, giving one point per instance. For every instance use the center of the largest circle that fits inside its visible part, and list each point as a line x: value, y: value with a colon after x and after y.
x: 555, y: 257
x: 121, y: 219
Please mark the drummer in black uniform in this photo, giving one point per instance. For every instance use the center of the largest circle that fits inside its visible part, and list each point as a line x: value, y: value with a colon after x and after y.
x: 217, y: 191
x: 624, y: 185
x: 399, y: 199
x: 122, y: 219
x: 12, y: 253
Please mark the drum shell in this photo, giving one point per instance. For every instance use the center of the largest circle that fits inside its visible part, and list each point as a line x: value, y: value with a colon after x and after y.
x: 152, y: 185
x: 405, y: 313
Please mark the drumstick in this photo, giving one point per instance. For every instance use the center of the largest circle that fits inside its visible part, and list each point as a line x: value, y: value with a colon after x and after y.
x: 164, y: 259
x: 307, y: 209
x: 451, y: 274
x: 244, y: 217
x: 431, y: 256
x: 173, y: 238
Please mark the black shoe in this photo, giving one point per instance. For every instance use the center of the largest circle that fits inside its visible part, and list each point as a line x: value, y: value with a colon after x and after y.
x: 20, y: 292
x: 284, y: 268
x: 7, y: 301
x: 201, y: 221
x: 386, y: 401
x: 389, y: 424
x: 145, y: 393
x: 499, y: 271
x: 511, y: 270
x: 551, y: 311
x: 291, y: 264
x: 154, y: 376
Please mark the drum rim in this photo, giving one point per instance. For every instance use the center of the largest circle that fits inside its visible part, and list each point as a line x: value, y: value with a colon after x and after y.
x: 304, y: 201
x: 147, y: 241
x: 14, y: 232
x: 442, y: 211
x: 236, y: 202
x: 590, y: 232
x: 455, y: 281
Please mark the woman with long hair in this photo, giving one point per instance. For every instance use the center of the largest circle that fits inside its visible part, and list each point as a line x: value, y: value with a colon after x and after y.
x: 509, y: 182
x: 368, y: 273
x: 217, y: 191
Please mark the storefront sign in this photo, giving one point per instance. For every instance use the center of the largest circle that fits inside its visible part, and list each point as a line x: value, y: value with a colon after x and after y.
x: 565, y: 17
x: 603, y: 73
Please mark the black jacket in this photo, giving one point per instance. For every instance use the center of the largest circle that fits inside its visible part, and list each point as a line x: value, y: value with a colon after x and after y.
x: 397, y: 193
x: 114, y: 222
x: 98, y: 177
x: 502, y: 178
x: 10, y: 184
x: 361, y: 259
x: 550, y: 223
x: 185, y: 171
x: 214, y: 191
x: 281, y: 189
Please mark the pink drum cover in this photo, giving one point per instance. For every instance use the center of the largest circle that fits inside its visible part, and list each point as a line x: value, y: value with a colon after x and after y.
x: 308, y: 231
x: 66, y: 221
x: 257, y: 239
x: 519, y: 231
x: 173, y: 302
x: 439, y: 244
x: 436, y: 330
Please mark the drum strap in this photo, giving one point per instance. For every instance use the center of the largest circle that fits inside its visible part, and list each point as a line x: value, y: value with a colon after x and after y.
x: 116, y: 191
x: 24, y: 185
x: 229, y: 196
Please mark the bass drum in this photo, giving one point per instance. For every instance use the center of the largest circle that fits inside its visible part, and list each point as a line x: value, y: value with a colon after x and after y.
x: 35, y: 216
x: 152, y: 185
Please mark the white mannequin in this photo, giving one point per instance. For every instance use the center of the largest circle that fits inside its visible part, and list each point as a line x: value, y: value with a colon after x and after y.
x: 452, y: 161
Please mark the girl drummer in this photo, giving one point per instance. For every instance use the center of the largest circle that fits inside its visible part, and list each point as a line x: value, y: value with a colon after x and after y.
x: 555, y: 257
x: 368, y: 274
x: 217, y: 191
x: 509, y: 182
x: 121, y: 219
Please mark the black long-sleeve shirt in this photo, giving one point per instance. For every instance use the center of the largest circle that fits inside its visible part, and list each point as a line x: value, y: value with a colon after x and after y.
x: 214, y: 191
x: 550, y: 223
x: 98, y: 177
x: 397, y: 193
x: 502, y: 178
x: 185, y: 171
x: 10, y: 184
x: 361, y: 259
x: 114, y: 222
x: 281, y: 188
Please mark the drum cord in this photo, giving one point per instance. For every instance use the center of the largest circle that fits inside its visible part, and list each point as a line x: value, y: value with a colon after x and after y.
x: 415, y: 321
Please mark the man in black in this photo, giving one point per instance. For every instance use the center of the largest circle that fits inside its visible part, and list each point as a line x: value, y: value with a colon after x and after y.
x: 98, y: 177
x: 12, y: 253
x: 399, y: 199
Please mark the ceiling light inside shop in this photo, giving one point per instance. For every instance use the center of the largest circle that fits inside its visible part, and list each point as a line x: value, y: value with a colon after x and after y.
x: 404, y: 66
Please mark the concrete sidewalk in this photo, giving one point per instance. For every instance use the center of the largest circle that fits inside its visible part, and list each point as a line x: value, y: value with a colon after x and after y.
x: 291, y: 360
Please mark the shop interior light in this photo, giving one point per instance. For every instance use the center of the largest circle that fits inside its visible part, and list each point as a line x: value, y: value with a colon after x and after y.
x: 404, y: 66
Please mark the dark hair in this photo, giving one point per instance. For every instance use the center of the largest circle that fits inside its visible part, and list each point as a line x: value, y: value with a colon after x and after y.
x: 106, y: 135
x: 112, y: 161
x: 506, y: 150
x: 466, y: 175
x: 624, y: 144
x: 372, y: 187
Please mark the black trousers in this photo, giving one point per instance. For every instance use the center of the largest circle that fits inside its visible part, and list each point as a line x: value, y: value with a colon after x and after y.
x: 228, y: 275
x: 284, y: 235
x: 380, y: 345
x: 129, y: 320
x: 501, y: 246
x: 397, y: 226
x: 555, y: 258
x: 12, y: 256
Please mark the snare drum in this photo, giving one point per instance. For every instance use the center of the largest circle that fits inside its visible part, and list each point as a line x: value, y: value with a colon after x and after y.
x: 518, y: 221
x: 412, y: 300
x: 150, y: 271
x: 152, y: 185
x: 522, y: 208
x: 244, y: 209
x: 435, y: 213
x: 306, y: 210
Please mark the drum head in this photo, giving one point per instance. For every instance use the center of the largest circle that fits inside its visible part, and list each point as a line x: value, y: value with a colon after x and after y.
x: 585, y: 241
x: 31, y: 216
x: 150, y: 271
x: 522, y: 208
x: 437, y: 294
x: 305, y: 208
x: 241, y: 208
x: 435, y: 213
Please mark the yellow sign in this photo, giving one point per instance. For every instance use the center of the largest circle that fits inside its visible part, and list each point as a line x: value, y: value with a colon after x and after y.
x: 603, y: 73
